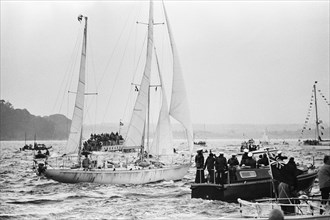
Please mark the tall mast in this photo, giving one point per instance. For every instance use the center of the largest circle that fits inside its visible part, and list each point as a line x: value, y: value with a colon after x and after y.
x: 149, y: 50
x: 137, y: 126
x: 75, y: 136
x: 316, y: 114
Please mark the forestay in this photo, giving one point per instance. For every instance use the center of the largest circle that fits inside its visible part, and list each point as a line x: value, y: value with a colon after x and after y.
x: 74, y: 140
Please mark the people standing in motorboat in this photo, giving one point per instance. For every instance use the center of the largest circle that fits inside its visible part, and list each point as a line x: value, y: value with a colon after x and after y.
x: 209, y: 164
x: 279, y: 156
x: 86, y: 163
x: 221, y: 168
x: 199, y: 160
x: 250, y: 161
x: 263, y: 161
x: 232, y: 162
x: 244, y: 156
x: 324, y: 180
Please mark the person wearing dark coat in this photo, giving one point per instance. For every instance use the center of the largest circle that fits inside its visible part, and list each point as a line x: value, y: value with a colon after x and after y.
x: 209, y: 164
x: 220, y: 167
x: 263, y: 160
x: 244, y: 157
x: 233, y: 163
x: 199, y: 160
x: 251, y: 162
x: 293, y: 171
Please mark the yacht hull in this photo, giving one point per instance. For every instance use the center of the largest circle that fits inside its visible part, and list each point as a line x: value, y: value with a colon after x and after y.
x: 141, y: 176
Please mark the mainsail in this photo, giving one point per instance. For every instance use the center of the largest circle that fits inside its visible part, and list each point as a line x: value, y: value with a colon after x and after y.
x: 74, y: 141
x: 135, y: 133
x: 179, y: 103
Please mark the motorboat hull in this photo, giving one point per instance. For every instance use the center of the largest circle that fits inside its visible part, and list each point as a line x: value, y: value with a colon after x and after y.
x: 107, y: 176
x: 247, y: 190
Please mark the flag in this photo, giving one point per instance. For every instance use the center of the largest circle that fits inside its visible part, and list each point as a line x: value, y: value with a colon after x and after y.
x: 121, y: 123
x: 282, y: 172
x: 80, y: 18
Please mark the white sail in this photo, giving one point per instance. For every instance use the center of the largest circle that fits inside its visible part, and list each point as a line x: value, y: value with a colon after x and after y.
x: 136, y: 128
x: 74, y: 141
x: 179, y: 102
x: 163, y: 138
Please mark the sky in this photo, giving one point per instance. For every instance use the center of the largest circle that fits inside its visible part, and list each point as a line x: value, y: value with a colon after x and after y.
x: 244, y: 62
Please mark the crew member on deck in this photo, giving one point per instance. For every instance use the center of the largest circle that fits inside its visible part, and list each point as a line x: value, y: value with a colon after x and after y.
x: 86, y: 163
x: 199, y: 160
x: 263, y: 161
x: 251, y: 162
x: 221, y: 167
x: 244, y: 156
x: 209, y: 164
x: 233, y: 163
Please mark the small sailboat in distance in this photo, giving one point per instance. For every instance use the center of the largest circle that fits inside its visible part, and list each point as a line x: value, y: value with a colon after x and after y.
x: 145, y: 168
x: 318, y: 142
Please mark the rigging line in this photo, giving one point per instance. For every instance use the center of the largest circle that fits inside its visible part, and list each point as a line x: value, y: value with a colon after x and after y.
x: 117, y: 74
x: 113, y: 51
x: 129, y: 97
x: 66, y: 71
x: 138, y: 13
x: 308, y: 116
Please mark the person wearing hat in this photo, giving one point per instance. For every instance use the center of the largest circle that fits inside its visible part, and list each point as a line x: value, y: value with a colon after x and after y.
x: 199, y: 160
x: 209, y: 164
x: 233, y: 160
x: 244, y: 157
x: 233, y: 163
x: 220, y: 167
x: 251, y: 162
x: 279, y: 156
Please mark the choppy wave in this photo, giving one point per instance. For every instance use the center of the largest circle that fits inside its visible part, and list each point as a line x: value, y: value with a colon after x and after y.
x: 27, y: 196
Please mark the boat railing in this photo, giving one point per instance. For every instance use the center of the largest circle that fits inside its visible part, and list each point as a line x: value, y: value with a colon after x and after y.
x: 102, y: 162
x: 261, y: 209
x: 216, y: 179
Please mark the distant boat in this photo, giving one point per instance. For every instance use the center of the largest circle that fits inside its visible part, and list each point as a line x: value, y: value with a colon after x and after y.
x: 155, y: 162
x: 202, y: 143
x: 35, y: 145
x: 250, y: 145
x: 318, y: 141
